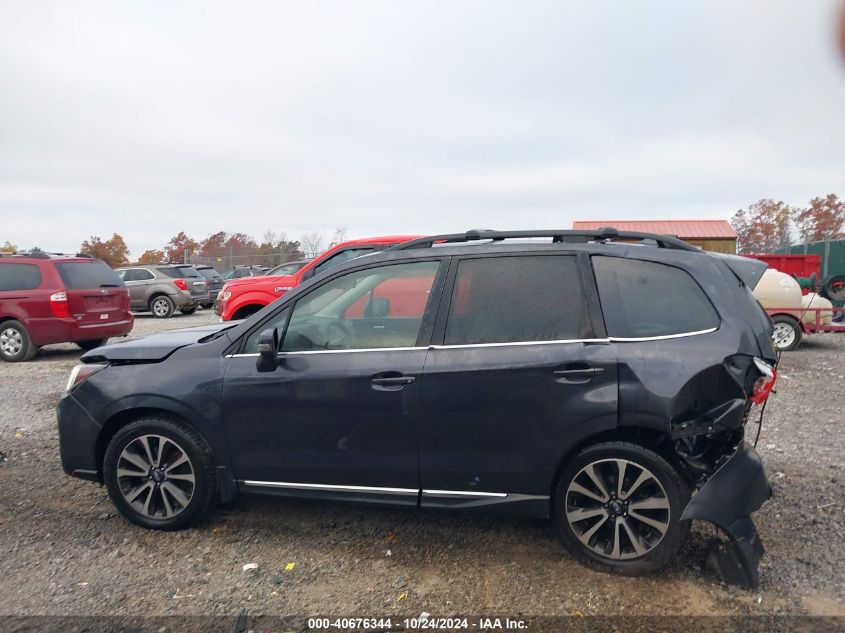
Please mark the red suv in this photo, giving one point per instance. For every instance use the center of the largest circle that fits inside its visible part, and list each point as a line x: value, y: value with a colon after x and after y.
x: 243, y: 297
x: 47, y: 299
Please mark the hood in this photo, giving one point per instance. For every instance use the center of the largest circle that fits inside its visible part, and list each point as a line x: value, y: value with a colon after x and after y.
x: 153, y: 348
x: 281, y: 280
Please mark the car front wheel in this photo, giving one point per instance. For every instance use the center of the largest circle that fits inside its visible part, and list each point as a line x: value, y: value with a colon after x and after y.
x: 618, y: 507
x: 160, y: 474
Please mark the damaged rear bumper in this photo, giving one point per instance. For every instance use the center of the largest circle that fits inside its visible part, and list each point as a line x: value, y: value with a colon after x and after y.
x: 738, y: 488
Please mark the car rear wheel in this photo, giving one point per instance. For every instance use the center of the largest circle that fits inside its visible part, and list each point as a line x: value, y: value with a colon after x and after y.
x: 92, y: 344
x: 15, y: 343
x: 160, y: 474
x: 618, y: 507
x: 190, y: 310
x: 787, y: 333
x: 162, y: 307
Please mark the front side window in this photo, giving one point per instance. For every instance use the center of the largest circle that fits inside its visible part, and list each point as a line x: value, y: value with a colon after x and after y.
x: 642, y: 299
x: 517, y: 299
x: 342, y: 256
x: 19, y: 276
x: 367, y: 309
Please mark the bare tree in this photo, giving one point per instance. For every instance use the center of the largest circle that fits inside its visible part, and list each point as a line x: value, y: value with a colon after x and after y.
x: 338, y: 237
x: 313, y: 244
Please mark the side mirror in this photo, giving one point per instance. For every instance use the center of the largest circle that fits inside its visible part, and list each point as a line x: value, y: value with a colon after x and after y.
x: 268, y: 350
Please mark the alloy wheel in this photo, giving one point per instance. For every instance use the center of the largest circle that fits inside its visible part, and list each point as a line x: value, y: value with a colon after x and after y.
x: 160, y: 307
x: 11, y: 342
x: 155, y: 476
x: 617, y: 508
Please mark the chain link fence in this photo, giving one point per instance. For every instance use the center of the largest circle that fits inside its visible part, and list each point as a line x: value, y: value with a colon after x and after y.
x: 224, y: 263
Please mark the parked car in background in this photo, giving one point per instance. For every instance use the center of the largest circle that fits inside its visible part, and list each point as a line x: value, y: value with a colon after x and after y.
x: 288, y: 268
x: 162, y: 289
x: 241, y: 298
x: 46, y: 299
x: 239, y: 272
x: 215, y: 283
x: 198, y: 286
x: 601, y: 383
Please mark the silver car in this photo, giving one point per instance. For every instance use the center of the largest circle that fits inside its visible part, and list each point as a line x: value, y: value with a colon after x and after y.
x: 163, y: 289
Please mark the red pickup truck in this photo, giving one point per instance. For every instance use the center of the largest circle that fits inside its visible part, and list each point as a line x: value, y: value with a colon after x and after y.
x: 242, y: 297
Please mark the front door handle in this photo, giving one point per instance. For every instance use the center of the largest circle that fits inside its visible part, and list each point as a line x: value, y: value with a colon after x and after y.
x: 577, y: 376
x: 392, y: 382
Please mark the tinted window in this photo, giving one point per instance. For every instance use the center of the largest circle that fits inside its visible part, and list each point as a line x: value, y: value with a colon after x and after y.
x: 19, y: 276
x: 343, y: 256
x: 136, y: 274
x: 641, y: 299
x: 86, y: 275
x: 287, y: 269
x: 374, y: 308
x: 173, y: 272
x: 209, y: 273
x: 189, y: 271
x: 511, y: 299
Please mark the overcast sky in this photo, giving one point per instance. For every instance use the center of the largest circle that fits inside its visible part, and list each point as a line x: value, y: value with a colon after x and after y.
x: 148, y: 118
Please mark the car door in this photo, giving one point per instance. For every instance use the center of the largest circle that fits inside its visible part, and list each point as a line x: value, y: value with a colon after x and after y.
x: 136, y: 280
x: 336, y: 416
x: 519, y: 372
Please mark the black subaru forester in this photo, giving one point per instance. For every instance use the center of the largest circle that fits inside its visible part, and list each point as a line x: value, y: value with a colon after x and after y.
x: 601, y: 378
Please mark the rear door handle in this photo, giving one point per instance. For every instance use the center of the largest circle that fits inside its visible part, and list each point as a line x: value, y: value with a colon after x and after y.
x: 577, y: 376
x: 391, y: 383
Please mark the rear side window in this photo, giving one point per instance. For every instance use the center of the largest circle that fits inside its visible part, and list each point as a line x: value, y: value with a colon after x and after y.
x: 19, y: 276
x: 343, y: 256
x: 210, y: 273
x: 515, y: 299
x: 174, y: 273
x: 137, y: 274
x: 84, y: 275
x: 643, y: 299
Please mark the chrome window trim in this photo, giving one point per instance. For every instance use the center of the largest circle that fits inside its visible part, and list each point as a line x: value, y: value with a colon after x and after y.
x: 601, y: 341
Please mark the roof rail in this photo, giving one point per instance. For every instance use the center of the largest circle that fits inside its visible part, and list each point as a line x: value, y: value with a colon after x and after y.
x: 605, y: 234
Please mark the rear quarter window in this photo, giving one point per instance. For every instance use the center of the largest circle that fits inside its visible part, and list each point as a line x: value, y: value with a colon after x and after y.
x: 642, y: 299
x: 92, y: 274
x: 19, y: 277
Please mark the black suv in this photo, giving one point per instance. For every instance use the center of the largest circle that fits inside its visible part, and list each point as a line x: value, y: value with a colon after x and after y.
x: 600, y: 378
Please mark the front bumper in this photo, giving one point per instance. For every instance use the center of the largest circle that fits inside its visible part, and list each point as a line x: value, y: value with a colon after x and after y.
x: 77, y: 439
x: 738, y: 488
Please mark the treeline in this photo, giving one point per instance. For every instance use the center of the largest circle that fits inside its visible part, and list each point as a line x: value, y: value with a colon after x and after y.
x: 766, y: 225
x: 115, y: 252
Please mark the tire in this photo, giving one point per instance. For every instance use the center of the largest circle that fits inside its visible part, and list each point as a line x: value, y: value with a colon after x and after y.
x: 92, y: 344
x: 165, y: 498
x: 787, y: 334
x: 162, y: 307
x: 662, y: 487
x: 188, y: 311
x: 15, y: 343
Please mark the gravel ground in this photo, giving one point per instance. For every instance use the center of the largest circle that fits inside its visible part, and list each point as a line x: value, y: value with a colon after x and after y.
x: 64, y: 552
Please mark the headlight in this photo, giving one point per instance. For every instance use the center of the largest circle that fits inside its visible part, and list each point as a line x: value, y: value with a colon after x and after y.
x: 226, y: 294
x: 81, y: 373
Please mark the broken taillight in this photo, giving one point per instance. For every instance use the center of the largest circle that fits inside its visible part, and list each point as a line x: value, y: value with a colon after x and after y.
x: 59, y: 305
x: 765, y: 383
